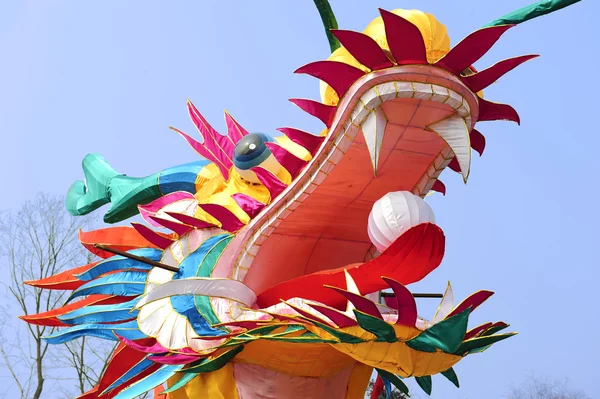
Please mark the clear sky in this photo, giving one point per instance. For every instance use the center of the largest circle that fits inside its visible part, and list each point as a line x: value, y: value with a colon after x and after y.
x: 111, y: 76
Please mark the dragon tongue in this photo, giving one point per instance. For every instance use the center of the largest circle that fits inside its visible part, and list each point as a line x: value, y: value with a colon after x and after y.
x: 373, y: 129
x: 455, y: 132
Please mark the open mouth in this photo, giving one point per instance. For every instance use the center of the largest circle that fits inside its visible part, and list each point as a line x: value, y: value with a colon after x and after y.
x: 276, y: 243
x: 395, y: 130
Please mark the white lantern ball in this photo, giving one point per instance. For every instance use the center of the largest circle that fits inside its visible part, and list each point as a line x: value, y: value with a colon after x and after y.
x: 394, y: 214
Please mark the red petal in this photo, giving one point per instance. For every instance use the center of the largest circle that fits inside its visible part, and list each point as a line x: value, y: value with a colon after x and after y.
x: 489, y: 111
x: 472, y: 301
x: 439, y: 187
x: 339, y: 318
x: 477, y: 142
x: 50, y: 318
x: 361, y: 303
x: 483, y: 79
x: 471, y: 48
x: 454, y: 165
x: 324, y: 113
x: 123, y: 238
x: 62, y: 281
x: 363, y: 48
x: 178, y: 228
x: 308, y: 315
x: 156, y: 238
x: 475, y: 331
x: 309, y: 141
x: 404, y: 38
x: 190, y: 220
x: 228, y: 220
x: 405, y: 303
x: 338, y: 75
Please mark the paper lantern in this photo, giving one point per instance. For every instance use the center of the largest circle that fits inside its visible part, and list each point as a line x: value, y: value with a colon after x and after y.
x: 395, y: 213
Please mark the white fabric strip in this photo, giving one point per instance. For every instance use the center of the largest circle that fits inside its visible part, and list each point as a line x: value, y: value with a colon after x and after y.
x: 221, y: 288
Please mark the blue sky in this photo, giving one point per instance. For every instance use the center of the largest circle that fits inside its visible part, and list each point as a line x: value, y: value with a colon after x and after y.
x: 110, y: 77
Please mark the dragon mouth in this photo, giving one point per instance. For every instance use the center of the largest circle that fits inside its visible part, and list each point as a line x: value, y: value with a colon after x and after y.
x: 409, y: 115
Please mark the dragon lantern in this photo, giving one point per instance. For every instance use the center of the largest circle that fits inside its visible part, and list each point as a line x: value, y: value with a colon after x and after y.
x: 266, y: 284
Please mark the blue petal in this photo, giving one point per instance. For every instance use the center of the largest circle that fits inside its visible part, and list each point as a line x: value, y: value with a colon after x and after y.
x: 122, y: 263
x: 388, y: 388
x: 127, y: 330
x: 150, y: 382
x: 123, y: 284
x: 101, y: 313
x: 132, y: 372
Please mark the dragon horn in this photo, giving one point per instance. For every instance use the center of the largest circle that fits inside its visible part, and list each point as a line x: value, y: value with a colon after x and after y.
x: 329, y: 22
x: 531, y: 11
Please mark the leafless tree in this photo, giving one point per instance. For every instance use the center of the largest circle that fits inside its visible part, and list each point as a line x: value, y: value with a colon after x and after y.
x: 38, y: 241
x: 544, y: 388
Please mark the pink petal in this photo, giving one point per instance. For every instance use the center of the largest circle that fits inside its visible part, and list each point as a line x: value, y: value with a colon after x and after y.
x: 248, y: 204
x: 270, y: 181
x: 289, y: 161
x: 234, y: 129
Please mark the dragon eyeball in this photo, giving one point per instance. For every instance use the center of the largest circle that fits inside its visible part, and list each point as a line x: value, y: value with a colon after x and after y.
x: 251, y: 151
x: 395, y: 213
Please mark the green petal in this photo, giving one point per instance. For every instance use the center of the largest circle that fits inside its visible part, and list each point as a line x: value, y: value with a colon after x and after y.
x: 451, y: 375
x: 475, y: 344
x: 446, y: 335
x: 493, y: 330
x: 204, y: 366
x: 425, y: 383
x: 207, y: 365
x: 394, y: 379
x: 382, y: 330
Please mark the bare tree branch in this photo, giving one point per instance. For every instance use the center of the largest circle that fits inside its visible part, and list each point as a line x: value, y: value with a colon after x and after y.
x: 543, y: 388
x: 36, y: 242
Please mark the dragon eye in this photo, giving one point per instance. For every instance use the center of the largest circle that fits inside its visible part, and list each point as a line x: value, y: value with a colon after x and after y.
x: 251, y: 151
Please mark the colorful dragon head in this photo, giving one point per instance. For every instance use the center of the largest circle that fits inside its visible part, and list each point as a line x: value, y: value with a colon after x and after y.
x: 279, y: 243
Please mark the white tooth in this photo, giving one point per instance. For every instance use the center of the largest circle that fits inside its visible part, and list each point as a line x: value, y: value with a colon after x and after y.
x: 358, y: 112
x: 446, y: 305
x: 440, y: 94
x: 455, y: 132
x: 387, y: 91
x: 404, y: 90
x: 350, y: 287
x: 423, y: 91
x: 455, y: 100
x: 373, y: 129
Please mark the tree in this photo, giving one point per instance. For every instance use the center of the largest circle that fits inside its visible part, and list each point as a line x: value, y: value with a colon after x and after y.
x: 543, y: 388
x: 36, y: 242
